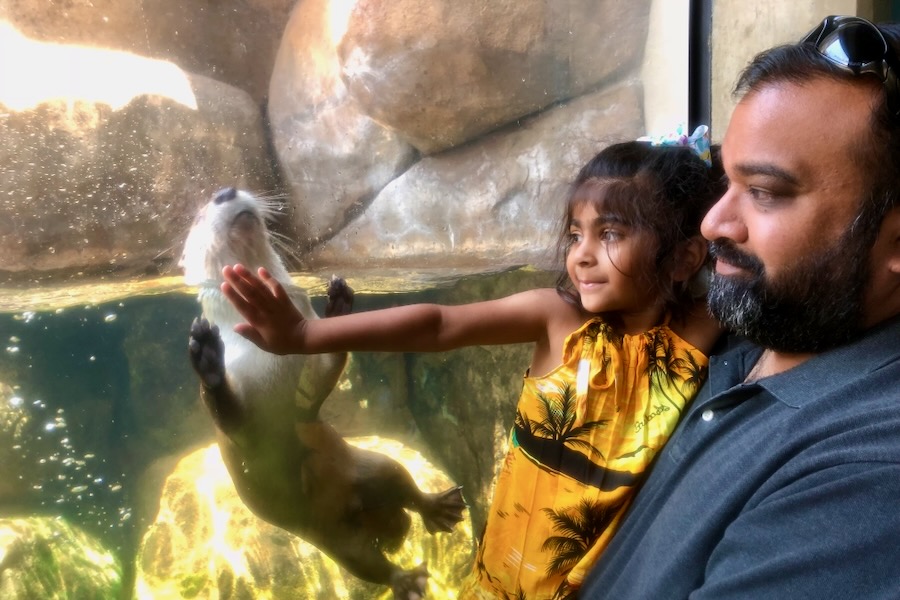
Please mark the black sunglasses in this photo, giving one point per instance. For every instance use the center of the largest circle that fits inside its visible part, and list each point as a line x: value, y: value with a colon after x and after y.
x: 856, y: 45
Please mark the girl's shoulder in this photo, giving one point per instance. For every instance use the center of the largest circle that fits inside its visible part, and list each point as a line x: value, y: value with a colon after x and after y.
x: 697, y: 327
x: 546, y: 300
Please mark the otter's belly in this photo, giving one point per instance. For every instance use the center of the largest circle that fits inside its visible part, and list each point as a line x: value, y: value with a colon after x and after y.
x: 301, y: 484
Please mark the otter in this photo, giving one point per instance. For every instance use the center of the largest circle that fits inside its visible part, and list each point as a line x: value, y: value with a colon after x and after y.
x: 288, y: 466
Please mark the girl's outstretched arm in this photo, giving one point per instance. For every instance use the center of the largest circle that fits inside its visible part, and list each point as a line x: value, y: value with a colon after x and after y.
x: 274, y: 323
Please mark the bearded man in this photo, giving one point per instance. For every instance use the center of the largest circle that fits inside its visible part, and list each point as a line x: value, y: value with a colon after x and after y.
x: 783, y: 479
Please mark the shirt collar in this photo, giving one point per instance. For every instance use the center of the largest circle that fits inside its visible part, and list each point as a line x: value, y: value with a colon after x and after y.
x: 878, y: 347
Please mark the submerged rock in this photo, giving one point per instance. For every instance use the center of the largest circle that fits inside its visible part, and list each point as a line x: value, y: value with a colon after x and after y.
x: 47, y: 558
x: 206, y: 543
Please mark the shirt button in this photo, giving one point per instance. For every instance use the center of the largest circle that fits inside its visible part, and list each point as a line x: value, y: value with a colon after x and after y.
x: 707, y: 415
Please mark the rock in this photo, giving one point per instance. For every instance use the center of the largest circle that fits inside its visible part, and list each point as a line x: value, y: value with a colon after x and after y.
x: 334, y: 158
x: 108, y: 155
x: 494, y: 202
x: 445, y: 72
x: 206, y: 543
x: 358, y: 85
x: 45, y: 557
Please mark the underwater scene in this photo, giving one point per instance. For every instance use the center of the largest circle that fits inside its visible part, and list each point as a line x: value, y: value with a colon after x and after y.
x: 112, y: 484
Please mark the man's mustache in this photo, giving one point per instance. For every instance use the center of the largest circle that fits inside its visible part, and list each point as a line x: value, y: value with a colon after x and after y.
x: 725, y: 251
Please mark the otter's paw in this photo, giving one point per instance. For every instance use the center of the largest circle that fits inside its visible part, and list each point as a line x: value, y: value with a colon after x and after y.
x: 207, y: 353
x: 340, y: 297
x: 409, y: 585
x: 443, y: 510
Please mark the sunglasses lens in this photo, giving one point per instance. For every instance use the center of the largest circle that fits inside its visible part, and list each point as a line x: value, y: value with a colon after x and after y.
x: 855, y: 45
x: 858, y: 46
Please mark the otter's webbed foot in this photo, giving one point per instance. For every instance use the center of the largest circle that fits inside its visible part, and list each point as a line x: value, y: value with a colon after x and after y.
x: 207, y: 353
x: 340, y: 297
x: 409, y: 585
x: 443, y: 510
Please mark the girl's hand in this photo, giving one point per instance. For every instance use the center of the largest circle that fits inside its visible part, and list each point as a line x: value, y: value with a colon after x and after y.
x: 273, y: 322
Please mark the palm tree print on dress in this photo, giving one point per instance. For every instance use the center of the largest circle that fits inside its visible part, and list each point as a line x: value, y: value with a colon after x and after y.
x: 668, y: 371
x: 550, y: 437
x: 558, y: 420
x: 579, y: 529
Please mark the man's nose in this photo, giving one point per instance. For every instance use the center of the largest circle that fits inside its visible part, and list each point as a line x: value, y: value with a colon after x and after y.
x: 724, y: 220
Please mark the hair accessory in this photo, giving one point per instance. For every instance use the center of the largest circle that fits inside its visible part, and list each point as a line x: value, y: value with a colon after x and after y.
x: 697, y: 141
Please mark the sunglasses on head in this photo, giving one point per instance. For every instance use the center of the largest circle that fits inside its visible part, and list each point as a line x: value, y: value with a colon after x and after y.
x: 856, y: 45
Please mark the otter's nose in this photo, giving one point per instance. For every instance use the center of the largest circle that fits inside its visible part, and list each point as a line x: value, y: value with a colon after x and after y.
x: 224, y: 195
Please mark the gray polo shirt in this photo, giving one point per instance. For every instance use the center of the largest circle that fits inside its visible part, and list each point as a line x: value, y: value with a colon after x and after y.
x: 786, y: 488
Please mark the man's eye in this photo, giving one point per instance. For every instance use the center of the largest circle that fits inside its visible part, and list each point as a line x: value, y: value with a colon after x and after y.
x: 756, y: 192
x: 762, y: 196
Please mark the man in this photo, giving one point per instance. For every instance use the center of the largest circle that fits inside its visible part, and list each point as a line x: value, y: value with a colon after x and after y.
x: 783, y: 479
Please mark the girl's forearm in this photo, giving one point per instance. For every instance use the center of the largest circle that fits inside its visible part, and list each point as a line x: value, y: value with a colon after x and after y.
x: 411, y: 328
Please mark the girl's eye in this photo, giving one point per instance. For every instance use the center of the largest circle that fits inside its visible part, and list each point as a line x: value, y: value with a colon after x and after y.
x: 610, y: 235
x: 574, y: 236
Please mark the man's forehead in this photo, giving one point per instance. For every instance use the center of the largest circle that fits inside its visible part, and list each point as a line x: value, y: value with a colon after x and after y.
x: 790, y: 124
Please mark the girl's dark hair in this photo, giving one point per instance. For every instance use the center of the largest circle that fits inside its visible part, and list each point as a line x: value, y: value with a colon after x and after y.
x: 664, y: 190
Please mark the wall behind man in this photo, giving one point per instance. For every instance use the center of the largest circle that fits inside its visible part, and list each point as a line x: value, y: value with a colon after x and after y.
x: 741, y: 29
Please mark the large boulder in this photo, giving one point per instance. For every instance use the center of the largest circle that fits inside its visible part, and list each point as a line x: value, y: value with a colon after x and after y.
x: 362, y: 89
x: 442, y: 73
x: 106, y: 156
x: 495, y: 202
x: 333, y: 157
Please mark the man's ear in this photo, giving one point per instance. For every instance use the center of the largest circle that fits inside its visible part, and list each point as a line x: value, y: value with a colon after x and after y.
x: 689, y: 257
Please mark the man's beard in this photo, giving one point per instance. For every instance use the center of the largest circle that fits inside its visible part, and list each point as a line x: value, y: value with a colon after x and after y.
x: 812, y: 306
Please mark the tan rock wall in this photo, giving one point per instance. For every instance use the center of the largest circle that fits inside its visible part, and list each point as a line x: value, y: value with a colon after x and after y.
x: 119, y: 118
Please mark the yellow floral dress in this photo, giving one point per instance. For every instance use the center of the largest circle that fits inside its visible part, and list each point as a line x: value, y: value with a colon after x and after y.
x: 583, y: 437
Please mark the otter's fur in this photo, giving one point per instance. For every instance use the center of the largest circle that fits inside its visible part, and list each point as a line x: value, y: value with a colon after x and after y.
x: 289, y: 467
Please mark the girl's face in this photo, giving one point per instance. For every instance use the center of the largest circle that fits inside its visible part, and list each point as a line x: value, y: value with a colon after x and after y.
x: 610, y: 263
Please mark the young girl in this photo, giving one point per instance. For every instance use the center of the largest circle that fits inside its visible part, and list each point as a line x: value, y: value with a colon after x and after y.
x: 619, y: 349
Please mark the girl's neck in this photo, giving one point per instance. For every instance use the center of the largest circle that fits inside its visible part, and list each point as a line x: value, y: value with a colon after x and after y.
x: 633, y: 323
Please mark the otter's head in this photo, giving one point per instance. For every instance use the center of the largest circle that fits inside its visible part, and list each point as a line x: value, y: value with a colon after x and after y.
x: 230, y: 228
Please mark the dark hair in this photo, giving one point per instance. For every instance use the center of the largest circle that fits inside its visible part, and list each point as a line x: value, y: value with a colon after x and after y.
x: 878, y: 155
x: 664, y: 190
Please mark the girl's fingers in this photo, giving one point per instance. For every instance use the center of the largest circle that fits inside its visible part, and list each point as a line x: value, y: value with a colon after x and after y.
x: 246, y: 330
x: 245, y: 283
x: 245, y: 308
x: 273, y: 284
